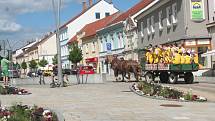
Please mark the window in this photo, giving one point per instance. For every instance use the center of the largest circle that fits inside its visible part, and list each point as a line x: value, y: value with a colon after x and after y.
x: 148, y: 26
x: 160, y: 15
x: 168, y: 13
x: 141, y: 29
x: 86, y: 48
x: 107, y: 14
x: 112, y: 41
x: 101, y: 46
x: 93, y: 47
x: 152, y: 25
x: 97, y: 15
x: 174, y: 14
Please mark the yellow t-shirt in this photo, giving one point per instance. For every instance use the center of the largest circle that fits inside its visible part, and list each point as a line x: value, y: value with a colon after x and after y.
x: 187, y: 59
x: 151, y: 58
x: 196, y: 59
x: 183, y: 59
x: 177, y: 59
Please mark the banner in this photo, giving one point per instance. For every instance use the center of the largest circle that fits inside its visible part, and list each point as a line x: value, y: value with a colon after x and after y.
x: 197, y: 10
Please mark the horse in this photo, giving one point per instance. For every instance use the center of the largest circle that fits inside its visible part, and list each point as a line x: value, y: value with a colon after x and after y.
x: 121, y: 66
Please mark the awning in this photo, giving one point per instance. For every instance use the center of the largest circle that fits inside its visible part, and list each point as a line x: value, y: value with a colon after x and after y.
x: 209, y: 53
x: 92, y: 60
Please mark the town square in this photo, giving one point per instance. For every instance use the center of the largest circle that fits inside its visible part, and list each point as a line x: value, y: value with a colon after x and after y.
x: 107, y: 60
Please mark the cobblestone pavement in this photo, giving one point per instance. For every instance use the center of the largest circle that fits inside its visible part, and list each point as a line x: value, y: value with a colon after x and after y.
x: 110, y: 101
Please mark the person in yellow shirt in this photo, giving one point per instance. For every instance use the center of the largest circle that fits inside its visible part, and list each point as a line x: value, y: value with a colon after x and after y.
x: 150, y: 56
x: 156, y: 55
x: 196, y: 58
x: 177, y: 58
x: 188, y: 58
x: 183, y: 58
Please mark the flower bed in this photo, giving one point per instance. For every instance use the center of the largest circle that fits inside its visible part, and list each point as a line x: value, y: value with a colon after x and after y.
x: 161, y: 92
x: 5, y: 90
x: 26, y: 113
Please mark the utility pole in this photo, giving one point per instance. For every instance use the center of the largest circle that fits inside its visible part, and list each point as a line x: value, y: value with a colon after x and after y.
x: 57, y: 22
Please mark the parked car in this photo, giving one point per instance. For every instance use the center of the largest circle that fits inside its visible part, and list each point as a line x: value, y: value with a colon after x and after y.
x: 32, y: 74
x: 47, y: 73
x: 14, y: 74
x: 67, y: 71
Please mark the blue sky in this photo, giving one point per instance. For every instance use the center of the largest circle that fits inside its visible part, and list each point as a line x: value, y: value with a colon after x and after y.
x: 25, y: 20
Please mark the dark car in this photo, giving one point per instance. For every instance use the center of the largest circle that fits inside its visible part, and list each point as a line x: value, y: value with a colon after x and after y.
x: 14, y: 74
x: 67, y: 71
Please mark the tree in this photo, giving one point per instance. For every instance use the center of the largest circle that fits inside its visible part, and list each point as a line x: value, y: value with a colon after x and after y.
x: 43, y: 62
x: 54, y: 60
x: 24, y: 66
x: 33, y: 64
x: 75, y: 55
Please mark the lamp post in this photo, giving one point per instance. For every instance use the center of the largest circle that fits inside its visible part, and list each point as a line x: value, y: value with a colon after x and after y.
x: 56, y: 10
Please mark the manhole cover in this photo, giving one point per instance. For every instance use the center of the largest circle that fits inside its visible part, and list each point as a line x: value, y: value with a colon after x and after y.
x: 170, y: 105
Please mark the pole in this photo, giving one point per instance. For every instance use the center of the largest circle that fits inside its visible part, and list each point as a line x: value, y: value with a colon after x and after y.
x: 57, y: 20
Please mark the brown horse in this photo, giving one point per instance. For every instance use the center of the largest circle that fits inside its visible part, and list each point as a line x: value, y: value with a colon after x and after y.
x: 125, y: 67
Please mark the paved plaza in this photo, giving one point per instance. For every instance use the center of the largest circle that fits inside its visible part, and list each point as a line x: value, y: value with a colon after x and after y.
x: 114, y: 101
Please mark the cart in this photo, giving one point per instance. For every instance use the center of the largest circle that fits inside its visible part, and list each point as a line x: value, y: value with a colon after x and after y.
x: 170, y: 73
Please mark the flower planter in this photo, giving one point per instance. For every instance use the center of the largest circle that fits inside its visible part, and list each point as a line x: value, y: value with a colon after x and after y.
x: 156, y: 91
x: 9, y: 90
x: 26, y: 113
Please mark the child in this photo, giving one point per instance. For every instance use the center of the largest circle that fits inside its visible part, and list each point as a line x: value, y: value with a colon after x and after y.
x: 177, y: 58
x: 187, y: 58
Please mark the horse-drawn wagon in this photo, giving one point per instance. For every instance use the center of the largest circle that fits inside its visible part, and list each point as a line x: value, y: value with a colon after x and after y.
x: 170, y: 72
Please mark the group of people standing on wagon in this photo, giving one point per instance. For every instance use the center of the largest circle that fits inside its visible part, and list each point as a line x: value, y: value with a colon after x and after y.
x: 170, y: 54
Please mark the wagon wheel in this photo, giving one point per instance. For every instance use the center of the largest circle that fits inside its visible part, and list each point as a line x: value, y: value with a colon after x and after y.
x: 149, y: 77
x: 173, y: 78
x: 188, y: 77
x: 164, y: 76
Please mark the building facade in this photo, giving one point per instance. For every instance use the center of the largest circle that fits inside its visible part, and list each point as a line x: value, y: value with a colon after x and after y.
x: 96, y: 11
x: 176, y: 21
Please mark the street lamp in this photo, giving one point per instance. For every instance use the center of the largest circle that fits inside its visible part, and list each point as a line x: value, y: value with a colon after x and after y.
x: 56, y: 10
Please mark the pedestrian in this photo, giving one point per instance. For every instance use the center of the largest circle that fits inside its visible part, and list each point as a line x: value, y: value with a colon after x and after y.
x: 41, y: 76
x: 5, y: 70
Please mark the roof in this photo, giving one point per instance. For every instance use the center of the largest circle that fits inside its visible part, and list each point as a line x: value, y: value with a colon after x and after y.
x: 84, y: 11
x: 91, y: 28
x: 139, y: 6
x: 73, y: 39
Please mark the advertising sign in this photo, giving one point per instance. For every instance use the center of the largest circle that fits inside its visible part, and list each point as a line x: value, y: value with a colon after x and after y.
x: 197, y: 10
x: 109, y: 48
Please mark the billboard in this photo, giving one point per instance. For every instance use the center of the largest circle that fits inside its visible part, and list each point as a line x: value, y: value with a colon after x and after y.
x: 197, y: 10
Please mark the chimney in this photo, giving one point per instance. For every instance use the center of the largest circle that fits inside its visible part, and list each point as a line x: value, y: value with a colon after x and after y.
x: 90, y: 2
x: 84, y: 5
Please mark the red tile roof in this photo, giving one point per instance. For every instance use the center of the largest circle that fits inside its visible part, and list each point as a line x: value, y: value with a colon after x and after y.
x: 73, y: 39
x: 90, y: 29
x: 139, y: 6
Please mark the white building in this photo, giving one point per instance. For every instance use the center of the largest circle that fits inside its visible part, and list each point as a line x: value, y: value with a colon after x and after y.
x: 95, y: 11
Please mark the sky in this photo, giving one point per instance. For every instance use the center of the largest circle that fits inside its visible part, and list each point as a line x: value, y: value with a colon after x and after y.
x: 26, y: 20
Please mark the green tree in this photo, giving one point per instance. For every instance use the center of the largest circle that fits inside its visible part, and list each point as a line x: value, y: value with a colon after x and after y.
x: 43, y: 62
x: 33, y: 64
x: 54, y: 60
x: 24, y: 66
x: 75, y: 55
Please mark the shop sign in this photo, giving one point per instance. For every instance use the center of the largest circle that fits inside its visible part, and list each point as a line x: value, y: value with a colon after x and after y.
x: 190, y: 42
x: 197, y: 10
x: 203, y: 42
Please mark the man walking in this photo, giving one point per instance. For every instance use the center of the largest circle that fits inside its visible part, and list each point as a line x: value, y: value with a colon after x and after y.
x: 5, y: 70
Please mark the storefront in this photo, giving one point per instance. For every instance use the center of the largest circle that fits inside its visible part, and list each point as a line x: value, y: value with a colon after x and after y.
x: 93, y: 62
x: 200, y: 46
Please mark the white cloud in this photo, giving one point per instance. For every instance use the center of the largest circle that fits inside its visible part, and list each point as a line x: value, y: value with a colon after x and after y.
x: 9, y: 26
x: 9, y: 9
